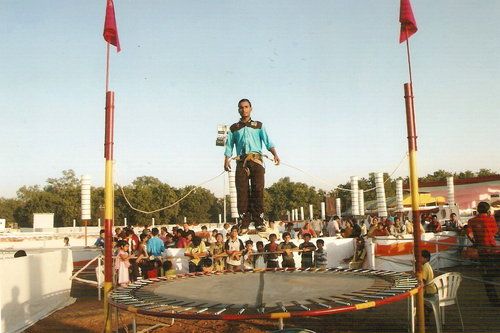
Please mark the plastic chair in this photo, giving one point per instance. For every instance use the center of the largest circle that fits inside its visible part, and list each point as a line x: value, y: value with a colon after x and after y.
x: 447, y: 287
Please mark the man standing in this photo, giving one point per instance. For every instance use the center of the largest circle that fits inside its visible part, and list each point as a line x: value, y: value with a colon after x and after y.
x: 484, y: 229
x: 247, y: 136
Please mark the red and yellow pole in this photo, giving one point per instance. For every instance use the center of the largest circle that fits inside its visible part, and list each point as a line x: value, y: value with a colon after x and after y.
x: 417, y: 235
x: 108, y: 205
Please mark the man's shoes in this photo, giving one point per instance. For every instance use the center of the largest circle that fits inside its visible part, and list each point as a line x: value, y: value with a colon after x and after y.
x: 242, y: 231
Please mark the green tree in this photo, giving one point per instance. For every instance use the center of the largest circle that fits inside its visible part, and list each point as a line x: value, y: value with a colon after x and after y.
x: 199, y: 207
x: 147, y: 194
x: 8, y: 208
x: 285, y: 195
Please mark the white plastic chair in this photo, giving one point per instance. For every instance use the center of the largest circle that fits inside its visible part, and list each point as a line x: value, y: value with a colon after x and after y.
x: 447, y: 286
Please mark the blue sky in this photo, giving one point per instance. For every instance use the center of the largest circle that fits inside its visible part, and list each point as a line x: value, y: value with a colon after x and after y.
x: 325, y: 77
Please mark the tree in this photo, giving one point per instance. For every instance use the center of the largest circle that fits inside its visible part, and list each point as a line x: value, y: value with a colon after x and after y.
x: 285, y: 195
x: 147, y: 194
x: 8, y: 208
x: 200, y: 206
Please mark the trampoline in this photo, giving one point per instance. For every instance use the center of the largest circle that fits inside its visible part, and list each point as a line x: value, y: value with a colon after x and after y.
x: 261, y: 294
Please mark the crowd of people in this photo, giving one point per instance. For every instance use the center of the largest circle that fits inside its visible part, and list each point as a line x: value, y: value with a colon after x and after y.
x: 147, y: 255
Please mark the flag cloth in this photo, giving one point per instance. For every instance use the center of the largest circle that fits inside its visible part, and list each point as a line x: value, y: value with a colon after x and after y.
x: 408, y: 24
x: 110, y: 30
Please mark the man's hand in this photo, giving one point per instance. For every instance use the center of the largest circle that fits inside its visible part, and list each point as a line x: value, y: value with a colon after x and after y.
x: 227, y: 164
x: 276, y: 160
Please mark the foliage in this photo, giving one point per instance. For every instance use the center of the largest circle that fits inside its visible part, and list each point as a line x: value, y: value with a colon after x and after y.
x: 61, y: 196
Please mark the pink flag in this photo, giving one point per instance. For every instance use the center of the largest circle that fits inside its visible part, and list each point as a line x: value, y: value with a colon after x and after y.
x: 408, y: 24
x: 110, y: 30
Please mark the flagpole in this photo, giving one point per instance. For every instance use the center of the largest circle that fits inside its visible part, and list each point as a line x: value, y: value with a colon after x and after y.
x: 414, y: 191
x: 107, y: 67
x: 407, y: 54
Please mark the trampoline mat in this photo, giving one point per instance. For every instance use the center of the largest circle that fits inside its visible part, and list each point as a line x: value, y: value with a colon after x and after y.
x: 259, y: 288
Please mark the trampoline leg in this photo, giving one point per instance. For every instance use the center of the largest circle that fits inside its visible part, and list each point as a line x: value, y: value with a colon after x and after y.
x: 280, y: 323
x: 411, y: 314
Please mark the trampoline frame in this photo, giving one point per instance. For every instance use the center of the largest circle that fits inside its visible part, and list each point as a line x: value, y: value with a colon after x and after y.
x: 403, y: 286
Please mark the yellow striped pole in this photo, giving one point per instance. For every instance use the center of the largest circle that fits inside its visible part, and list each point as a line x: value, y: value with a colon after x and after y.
x: 108, y: 206
x: 417, y: 235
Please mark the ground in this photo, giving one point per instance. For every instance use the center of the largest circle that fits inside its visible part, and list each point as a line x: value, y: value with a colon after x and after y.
x: 87, y: 315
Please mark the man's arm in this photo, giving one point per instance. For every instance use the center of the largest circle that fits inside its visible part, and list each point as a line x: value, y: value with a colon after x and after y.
x: 227, y: 163
x: 275, y: 155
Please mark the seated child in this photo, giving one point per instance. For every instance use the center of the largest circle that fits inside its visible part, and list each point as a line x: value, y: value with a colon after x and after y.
x: 168, y: 269
x: 196, y: 250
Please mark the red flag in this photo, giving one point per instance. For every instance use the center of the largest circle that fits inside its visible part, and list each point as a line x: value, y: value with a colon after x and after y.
x: 110, y: 30
x: 408, y: 24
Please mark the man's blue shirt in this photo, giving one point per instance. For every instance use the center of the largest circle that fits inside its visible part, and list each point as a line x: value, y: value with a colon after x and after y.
x: 155, y: 246
x: 248, y: 138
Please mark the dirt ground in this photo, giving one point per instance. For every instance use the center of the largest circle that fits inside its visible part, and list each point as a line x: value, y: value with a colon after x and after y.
x: 87, y: 315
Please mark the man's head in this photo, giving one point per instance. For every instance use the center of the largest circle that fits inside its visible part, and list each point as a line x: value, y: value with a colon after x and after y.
x: 483, y: 207
x: 244, y: 108
x: 272, y: 237
x: 307, y: 237
x: 155, y: 231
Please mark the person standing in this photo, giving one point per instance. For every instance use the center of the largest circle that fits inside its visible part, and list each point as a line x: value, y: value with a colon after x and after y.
x: 247, y: 136
x: 484, y: 229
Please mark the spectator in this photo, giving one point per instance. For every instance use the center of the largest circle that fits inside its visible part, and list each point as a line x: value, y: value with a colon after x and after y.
x: 122, y: 264
x: 258, y: 258
x: 289, y: 228
x: 213, y: 237
x: 66, y: 241
x: 226, y: 230
x: 379, y: 231
x: 286, y: 248
x: 356, y: 229
x: 430, y: 290
x: 454, y: 223
x: 307, y: 251
x: 169, y: 241
x: 434, y: 226
x: 99, y: 242
x: 317, y: 226
x: 248, y: 255
x: 333, y: 228
x: 306, y: 229
x: 163, y: 233
x: 217, y: 251
x: 484, y: 228
x: 399, y: 227
x: 271, y: 257
x: 168, y: 269
x: 155, y: 245
x: 196, y: 251
x: 233, y: 247
x: 320, y: 255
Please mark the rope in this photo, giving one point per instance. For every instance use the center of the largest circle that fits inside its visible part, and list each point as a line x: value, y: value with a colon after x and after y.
x: 171, y: 205
x: 339, y: 188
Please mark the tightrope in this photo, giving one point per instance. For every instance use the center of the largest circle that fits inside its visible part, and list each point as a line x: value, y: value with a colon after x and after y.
x: 172, y: 204
x: 336, y: 187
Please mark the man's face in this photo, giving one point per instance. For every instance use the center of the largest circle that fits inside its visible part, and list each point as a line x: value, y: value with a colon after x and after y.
x: 244, y: 109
